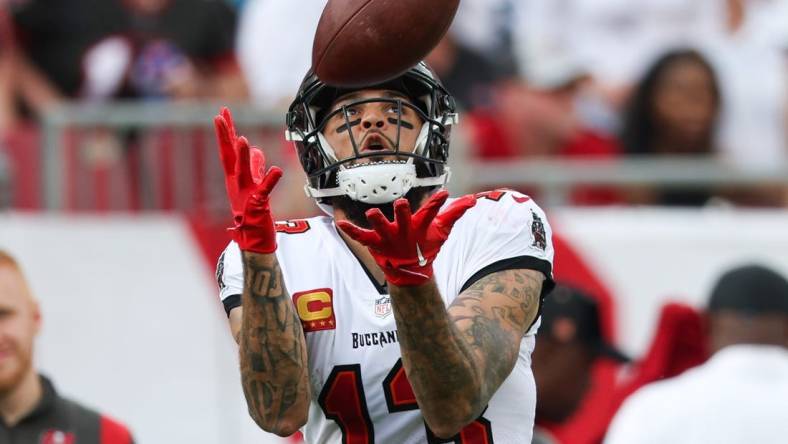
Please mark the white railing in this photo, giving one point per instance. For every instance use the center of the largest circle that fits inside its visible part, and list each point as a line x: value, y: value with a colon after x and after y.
x: 553, y: 177
x: 142, y: 118
x: 556, y: 177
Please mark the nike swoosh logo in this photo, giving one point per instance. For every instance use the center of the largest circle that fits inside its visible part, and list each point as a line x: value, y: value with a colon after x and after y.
x: 422, y: 260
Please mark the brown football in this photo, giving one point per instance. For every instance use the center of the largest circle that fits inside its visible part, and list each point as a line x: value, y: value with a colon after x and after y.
x: 364, y: 42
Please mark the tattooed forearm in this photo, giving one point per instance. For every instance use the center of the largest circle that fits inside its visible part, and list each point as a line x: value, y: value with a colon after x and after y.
x: 456, y: 359
x: 272, y: 348
x: 438, y: 361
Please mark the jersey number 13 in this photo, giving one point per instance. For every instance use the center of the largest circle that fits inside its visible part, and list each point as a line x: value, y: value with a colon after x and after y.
x: 343, y: 401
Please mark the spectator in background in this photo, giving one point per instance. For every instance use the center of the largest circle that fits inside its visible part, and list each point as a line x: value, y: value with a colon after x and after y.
x: 673, y: 111
x: 553, y: 110
x: 18, y: 80
x: 53, y: 38
x: 748, y: 47
x: 746, y: 42
x: 674, y: 108
x: 563, y: 417
x: 102, y: 50
x: 568, y: 343
x: 469, y: 75
x: 30, y: 408
x: 184, y: 49
x: 544, y: 117
x: 741, y: 393
x: 486, y: 28
x: 275, y: 47
x: 613, y: 40
x: 127, y: 48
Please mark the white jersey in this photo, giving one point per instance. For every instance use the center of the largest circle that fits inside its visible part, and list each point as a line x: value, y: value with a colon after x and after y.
x: 739, y: 395
x: 359, y: 390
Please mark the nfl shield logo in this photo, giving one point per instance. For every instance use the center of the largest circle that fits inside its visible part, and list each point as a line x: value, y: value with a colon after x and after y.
x: 383, y: 307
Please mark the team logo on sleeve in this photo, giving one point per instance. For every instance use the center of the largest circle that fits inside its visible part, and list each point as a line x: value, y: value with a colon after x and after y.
x: 537, y: 229
x: 315, y: 309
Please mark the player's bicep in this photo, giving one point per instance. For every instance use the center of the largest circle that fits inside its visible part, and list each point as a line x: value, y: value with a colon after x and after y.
x: 509, y: 298
x: 494, y: 313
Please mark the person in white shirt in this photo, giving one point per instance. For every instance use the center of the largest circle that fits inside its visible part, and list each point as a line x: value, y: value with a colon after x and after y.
x: 274, y: 47
x: 401, y: 316
x: 740, y: 394
x: 747, y: 49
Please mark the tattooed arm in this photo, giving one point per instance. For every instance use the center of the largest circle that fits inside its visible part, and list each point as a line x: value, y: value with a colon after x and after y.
x: 274, y: 370
x: 456, y: 359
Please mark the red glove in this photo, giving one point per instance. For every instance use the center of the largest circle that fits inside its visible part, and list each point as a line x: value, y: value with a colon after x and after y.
x: 248, y: 187
x: 405, y: 248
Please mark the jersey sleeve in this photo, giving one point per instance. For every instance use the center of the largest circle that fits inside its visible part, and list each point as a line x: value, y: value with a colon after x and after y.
x: 229, y: 277
x: 506, y: 230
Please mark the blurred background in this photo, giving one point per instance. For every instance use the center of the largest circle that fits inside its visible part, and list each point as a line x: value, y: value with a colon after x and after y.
x: 653, y: 132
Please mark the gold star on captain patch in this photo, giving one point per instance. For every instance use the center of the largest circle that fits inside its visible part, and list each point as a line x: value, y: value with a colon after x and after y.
x: 322, y: 323
x: 330, y: 322
x: 313, y: 324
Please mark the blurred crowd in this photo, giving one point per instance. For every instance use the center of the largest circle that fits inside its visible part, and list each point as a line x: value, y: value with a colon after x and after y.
x: 603, y: 79
x: 561, y: 79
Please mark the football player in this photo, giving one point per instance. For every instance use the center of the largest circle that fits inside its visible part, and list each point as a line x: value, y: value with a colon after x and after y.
x: 401, y: 316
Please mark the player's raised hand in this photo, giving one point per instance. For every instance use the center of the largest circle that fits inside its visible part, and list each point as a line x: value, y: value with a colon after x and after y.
x: 405, y: 248
x: 248, y: 187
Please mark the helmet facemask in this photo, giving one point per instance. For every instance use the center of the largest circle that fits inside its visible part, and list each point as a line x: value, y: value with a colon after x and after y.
x: 384, y: 174
x: 380, y: 168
